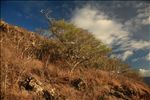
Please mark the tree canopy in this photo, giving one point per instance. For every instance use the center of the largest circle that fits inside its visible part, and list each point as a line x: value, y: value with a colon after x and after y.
x: 77, y: 47
x: 81, y: 47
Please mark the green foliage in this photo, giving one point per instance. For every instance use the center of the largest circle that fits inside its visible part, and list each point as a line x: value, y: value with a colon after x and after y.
x: 80, y: 45
x: 77, y: 47
x: 47, y: 48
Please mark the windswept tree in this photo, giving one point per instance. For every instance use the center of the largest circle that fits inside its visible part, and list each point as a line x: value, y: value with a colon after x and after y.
x: 78, y: 47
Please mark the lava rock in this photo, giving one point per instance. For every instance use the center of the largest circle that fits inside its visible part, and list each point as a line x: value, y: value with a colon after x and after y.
x: 78, y: 84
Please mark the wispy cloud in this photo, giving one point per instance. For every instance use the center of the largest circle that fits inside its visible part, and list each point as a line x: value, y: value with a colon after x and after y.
x: 109, y: 30
x: 148, y: 57
x: 126, y: 54
x: 99, y: 24
x: 144, y: 73
x: 145, y: 58
x: 142, y: 18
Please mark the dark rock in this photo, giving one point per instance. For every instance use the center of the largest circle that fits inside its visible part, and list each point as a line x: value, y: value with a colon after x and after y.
x: 26, y: 84
x: 47, y: 95
x: 128, y: 91
x: 31, y: 84
x: 101, y: 97
x: 78, y: 84
x: 117, y: 94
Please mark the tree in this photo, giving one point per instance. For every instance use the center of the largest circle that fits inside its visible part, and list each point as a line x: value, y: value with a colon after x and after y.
x: 79, y: 47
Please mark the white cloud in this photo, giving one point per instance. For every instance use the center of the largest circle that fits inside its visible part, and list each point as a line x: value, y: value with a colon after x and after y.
x: 144, y: 73
x: 148, y: 57
x: 141, y: 4
x: 139, y: 44
x: 146, y: 21
x: 126, y: 55
x: 142, y: 18
x: 135, y: 59
x: 108, y: 30
x: 99, y: 24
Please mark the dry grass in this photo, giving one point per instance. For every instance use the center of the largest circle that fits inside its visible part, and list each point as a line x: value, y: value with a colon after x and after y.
x: 16, y: 63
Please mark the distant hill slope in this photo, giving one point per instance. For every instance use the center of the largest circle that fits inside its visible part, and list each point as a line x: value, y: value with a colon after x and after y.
x: 147, y: 80
x: 24, y: 77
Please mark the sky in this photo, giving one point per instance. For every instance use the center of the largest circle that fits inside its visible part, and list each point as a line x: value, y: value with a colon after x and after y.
x: 122, y: 25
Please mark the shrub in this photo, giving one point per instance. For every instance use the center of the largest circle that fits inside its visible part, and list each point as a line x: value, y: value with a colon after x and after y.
x: 81, y: 47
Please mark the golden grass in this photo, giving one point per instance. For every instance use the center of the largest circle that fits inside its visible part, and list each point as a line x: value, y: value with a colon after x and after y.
x: 15, y: 65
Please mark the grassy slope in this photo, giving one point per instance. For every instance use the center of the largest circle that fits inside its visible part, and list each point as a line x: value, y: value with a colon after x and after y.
x: 15, y: 63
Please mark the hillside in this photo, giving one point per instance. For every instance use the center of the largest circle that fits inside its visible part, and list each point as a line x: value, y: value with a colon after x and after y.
x: 25, y: 77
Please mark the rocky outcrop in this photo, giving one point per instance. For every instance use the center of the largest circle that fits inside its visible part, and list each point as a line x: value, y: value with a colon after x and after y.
x: 78, y: 84
x: 29, y: 83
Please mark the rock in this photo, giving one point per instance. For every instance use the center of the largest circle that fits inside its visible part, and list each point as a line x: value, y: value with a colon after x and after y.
x: 78, y: 84
x: 122, y: 92
x: 118, y: 94
x: 25, y: 84
x: 47, y: 95
x: 129, y: 91
x: 29, y: 83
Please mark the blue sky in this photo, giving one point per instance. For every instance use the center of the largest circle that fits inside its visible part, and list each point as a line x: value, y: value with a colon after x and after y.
x: 122, y: 25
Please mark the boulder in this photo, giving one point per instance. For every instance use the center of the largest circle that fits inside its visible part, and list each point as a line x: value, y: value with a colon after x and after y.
x: 29, y: 83
x: 78, y: 83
